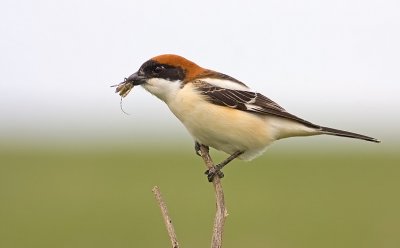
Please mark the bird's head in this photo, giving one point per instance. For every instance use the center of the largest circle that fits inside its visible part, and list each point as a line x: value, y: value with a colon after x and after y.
x: 165, y: 74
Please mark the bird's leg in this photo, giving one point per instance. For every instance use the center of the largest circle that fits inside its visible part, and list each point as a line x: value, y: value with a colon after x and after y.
x: 197, y: 148
x: 216, y: 170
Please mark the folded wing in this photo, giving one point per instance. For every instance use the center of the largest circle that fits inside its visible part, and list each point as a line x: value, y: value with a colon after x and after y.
x: 246, y: 101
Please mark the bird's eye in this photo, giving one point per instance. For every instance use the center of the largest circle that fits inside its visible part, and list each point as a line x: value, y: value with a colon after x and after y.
x: 158, y: 69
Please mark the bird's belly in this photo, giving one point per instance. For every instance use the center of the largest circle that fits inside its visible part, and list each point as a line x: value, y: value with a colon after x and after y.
x: 223, y: 128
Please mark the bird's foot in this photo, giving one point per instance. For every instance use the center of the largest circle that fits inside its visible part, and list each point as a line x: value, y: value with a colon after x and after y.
x: 197, y: 149
x: 214, y: 171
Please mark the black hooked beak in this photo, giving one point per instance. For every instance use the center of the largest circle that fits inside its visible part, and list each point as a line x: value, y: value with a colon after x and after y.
x: 136, y: 79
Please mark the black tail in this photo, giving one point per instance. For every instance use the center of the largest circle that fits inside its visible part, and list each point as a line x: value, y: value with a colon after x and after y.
x: 337, y: 132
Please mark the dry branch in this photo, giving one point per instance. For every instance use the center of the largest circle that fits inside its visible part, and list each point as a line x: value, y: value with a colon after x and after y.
x: 221, y: 212
x: 167, y: 219
x: 220, y: 215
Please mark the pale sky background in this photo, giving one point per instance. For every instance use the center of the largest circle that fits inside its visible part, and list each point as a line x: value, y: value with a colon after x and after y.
x: 335, y: 63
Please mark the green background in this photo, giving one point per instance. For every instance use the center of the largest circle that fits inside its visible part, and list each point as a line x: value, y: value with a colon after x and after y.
x: 293, y: 196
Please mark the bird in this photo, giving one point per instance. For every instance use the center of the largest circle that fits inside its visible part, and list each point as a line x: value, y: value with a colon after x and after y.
x: 222, y: 112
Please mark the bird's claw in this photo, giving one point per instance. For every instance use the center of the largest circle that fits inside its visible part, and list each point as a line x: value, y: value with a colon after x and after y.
x: 212, y: 172
x: 197, y: 148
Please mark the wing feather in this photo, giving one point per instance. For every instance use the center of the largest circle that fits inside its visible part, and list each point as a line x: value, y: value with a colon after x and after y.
x: 246, y: 101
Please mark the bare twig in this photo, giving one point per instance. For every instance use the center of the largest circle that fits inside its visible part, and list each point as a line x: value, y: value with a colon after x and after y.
x: 221, y: 212
x: 167, y: 219
x: 220, y: 215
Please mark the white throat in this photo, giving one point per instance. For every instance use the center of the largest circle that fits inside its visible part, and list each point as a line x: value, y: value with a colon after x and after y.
x: 162, y: 88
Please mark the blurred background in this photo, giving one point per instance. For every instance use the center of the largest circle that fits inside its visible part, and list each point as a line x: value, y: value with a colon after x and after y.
x: 75, y: 171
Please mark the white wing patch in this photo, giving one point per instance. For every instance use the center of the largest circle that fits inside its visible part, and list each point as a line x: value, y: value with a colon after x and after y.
x: 225, y: 84
x: 254, y: 108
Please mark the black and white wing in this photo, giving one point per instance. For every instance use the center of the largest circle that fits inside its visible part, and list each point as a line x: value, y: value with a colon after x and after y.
x: 246, y: 101
x: 252, y: 102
